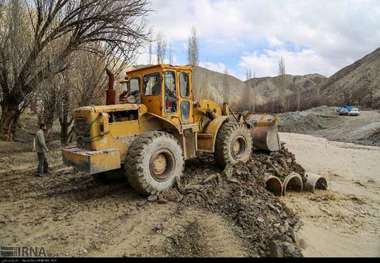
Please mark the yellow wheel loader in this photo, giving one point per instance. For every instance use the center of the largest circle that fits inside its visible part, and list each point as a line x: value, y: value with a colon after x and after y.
x: 150, y: 140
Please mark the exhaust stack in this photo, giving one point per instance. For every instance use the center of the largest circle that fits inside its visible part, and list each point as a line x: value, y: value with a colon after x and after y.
x: 111, y: 93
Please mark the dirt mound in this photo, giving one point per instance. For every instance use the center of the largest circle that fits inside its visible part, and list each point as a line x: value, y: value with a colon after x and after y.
x: 319, y: 118
x: 325, y: 122
x: 238, y: 194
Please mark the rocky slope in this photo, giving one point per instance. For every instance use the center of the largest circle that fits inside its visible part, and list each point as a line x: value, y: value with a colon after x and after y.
x: 268, y: 89
x: 214, y: 85
x: 208, y: 84
x: 358, y: 83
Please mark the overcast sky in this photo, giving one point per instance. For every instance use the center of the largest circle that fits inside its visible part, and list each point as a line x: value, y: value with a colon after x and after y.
x: 313, y: 36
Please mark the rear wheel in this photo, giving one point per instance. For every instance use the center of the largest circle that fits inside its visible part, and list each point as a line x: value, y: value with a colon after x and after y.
x: 233, y: 144
x: 153, y: 162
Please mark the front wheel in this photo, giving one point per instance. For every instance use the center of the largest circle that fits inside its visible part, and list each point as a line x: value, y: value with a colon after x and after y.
x: 233, y: 144
x: 154, y: 162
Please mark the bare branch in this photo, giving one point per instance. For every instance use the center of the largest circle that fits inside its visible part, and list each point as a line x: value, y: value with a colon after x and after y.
x: 37, y: 38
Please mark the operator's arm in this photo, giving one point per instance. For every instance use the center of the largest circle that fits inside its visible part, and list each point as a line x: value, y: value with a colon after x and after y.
x: 41, y: 140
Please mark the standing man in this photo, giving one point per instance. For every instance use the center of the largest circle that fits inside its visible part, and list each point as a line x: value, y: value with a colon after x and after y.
x: 42, y: 150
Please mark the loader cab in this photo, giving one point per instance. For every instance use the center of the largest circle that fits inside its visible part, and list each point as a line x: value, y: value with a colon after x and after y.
x: 166, y: 91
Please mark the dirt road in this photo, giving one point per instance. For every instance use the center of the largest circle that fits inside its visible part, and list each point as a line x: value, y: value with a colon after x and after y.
x: 345, y: 220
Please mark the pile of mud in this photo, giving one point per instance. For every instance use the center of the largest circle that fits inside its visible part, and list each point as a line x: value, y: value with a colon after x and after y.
x: 238, y: 194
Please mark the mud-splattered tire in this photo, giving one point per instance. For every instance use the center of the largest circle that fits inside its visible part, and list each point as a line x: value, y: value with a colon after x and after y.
x: 233, y: 144
x: 153, y: 162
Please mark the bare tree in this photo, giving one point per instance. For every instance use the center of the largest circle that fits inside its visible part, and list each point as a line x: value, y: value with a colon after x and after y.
x: 254, y: 100
x: 247, y: 92
x: 281, y: 89
x: 161, y: 49
x: 150, y: 53
x: 193, y: 48
x: 150, y: 47
x: 82, y: 84
x: 170, y: 55
x: 248, y: 74
x: 31, y: 27
x: 250, y: 94
x: 48, y: 94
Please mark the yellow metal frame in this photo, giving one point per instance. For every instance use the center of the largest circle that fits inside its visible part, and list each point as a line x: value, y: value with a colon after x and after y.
x: 110, y: 148
x: 92, y: 162
x: 207, y: 140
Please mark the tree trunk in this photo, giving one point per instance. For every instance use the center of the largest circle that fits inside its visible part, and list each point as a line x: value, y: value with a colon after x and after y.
x: 64, y: 132
x: 65, y: 128
x: 9, y: 117
x: 33, y: 104
x: 64, y: 118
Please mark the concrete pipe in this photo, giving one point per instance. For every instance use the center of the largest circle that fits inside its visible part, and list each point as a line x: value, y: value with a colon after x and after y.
x: 315, y: 181
x: 273, y: 184
x: 293, y: 182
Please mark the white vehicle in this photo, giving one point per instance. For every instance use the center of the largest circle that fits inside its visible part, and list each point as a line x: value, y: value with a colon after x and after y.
x: 354, y: 112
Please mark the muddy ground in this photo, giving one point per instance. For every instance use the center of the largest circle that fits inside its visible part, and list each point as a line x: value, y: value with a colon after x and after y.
x: 209, y: 213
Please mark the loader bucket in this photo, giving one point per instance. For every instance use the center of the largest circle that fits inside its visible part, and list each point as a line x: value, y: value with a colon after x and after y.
x: 264, y: 130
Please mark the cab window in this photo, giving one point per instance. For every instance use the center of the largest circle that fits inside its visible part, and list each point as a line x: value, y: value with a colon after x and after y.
x: 134, y: 85
x: 170, y: 92
x: 184, y: 84
x: 131, y: 92
x: 152, y: 84
x: 134, y: 91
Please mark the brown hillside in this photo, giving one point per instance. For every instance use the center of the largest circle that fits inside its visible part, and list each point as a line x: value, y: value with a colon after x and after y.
x: 267, y: 89
x: 358, y: 83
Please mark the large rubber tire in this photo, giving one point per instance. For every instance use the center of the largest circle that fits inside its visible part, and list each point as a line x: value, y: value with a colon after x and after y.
x: 138, y: 165
x: 230, y: 133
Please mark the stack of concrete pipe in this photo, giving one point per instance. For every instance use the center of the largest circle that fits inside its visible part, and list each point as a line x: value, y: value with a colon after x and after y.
x: 294, y: 182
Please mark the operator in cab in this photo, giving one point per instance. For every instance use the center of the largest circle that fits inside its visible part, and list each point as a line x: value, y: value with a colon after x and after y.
x: 131, y: 93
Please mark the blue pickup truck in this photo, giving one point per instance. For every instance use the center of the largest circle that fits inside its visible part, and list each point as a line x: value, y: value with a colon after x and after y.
x: 348, y: 110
